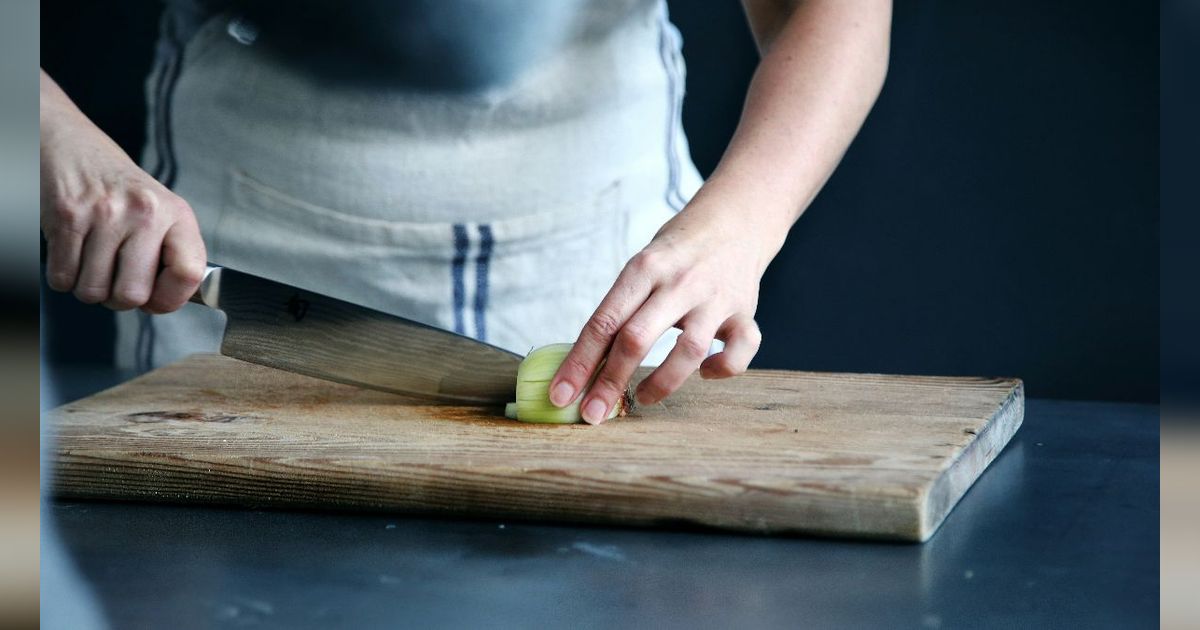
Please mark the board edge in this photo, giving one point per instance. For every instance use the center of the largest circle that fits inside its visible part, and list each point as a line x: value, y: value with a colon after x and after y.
x: 956, y: 479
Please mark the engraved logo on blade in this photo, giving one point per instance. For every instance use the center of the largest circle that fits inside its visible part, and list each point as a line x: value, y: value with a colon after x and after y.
x: 297, y: 306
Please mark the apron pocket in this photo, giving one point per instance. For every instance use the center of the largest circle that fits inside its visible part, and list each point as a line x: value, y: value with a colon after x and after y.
x: 515, y: 282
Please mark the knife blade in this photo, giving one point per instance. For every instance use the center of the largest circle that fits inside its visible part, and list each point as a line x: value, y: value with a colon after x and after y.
x: 280, y: 326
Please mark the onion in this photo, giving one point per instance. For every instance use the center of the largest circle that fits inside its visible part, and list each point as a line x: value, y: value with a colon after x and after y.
x: 533, y: 390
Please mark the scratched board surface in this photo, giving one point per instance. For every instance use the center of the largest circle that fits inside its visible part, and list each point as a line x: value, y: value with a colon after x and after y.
x: 771, y: 451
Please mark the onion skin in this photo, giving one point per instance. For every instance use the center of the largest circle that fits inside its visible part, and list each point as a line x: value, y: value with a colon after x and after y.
x: 533, y: 390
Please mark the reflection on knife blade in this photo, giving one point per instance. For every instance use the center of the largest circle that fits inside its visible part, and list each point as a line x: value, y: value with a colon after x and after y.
x: 285, y: 327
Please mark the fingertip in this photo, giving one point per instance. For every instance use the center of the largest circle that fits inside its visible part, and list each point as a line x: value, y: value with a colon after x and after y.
x: 709, y: 370
x: 594, y: 411
x: 561, y: 393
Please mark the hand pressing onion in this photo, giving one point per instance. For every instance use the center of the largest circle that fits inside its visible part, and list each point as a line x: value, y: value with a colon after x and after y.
x: 533, y: 390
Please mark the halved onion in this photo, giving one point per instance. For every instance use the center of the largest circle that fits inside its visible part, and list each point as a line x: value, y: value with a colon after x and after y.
x: 533, y: 390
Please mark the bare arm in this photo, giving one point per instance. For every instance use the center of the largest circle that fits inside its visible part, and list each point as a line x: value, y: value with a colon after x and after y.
x: 823, y: 66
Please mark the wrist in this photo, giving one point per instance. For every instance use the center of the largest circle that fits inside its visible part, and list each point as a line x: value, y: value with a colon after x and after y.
x: 747, y: 212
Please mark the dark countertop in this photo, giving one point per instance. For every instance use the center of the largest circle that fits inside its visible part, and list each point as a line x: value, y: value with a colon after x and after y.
x: 1061, y: 531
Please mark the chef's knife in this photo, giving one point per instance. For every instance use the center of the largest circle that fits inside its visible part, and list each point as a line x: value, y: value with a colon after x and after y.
x: 284, y: 327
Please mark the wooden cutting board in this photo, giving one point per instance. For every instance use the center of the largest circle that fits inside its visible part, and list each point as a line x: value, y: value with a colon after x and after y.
x: 771, y: 451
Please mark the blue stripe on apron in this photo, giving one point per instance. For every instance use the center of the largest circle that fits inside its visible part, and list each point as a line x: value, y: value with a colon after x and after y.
x: 456, y: 273
x: 674, y: 93
x: 160, y: 150
x: 168, y: 177
x: 481, y: 280
x: 165, y: 168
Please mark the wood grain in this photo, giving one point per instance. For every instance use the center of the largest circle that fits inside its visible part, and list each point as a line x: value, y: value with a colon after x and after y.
x: 772, y: 451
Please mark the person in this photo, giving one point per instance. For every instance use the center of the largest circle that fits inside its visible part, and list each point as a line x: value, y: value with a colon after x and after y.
x: 513, y: 170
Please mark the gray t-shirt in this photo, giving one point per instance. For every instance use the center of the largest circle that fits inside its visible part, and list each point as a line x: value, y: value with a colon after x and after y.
x: 438, y: 44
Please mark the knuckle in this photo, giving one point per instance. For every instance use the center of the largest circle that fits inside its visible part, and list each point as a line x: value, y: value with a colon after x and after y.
x: 130, y: 296
x: 574, y: 367
x: 68, y: 218
x: 752, y: 334
x: 603, y: 326
x: 140, y: 215
x: 689, y: 276
x: 189, y: 273
x: 60, y: 280
x: 607, y: 385
x: 91, y: 294
x: 143, y: 199
x: 691, y: 348
x: 647, y: 262
x: 633, y: 340
x: 106, y: 210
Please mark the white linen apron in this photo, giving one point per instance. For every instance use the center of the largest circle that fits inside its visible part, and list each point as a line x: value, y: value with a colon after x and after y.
x: 504, y: 214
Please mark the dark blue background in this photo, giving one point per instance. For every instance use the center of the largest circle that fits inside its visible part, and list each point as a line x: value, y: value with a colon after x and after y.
x: 998, y: 215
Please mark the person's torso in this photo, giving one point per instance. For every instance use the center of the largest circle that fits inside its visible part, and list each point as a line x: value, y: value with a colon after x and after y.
x: 490, y: 173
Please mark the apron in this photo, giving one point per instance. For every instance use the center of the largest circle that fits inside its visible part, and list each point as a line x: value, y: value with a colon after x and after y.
x: 503, y: 213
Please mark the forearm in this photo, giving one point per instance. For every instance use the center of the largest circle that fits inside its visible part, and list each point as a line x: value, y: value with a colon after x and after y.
x: 62, y: 121
x: 53, y: 100
x: 55, y: 108
x: 823, y: 68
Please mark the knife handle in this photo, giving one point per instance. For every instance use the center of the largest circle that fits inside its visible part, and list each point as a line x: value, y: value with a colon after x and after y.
x: 210, y: 288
